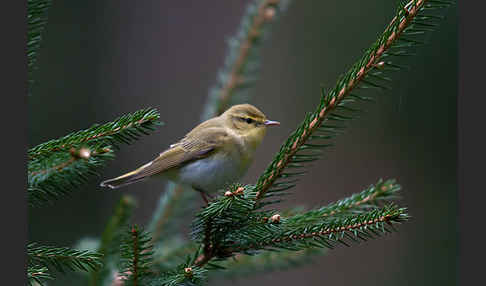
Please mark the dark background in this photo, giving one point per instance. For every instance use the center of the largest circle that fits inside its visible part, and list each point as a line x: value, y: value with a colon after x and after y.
x: 103, y: 59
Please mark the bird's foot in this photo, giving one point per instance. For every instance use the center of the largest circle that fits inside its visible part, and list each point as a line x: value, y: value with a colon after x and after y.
x: 205, y: 196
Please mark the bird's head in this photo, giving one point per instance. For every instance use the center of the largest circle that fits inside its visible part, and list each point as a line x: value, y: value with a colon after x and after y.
x: 249, y: 122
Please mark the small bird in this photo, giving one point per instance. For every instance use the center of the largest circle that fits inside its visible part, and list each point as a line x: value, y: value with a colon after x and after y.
x: 211, y: 156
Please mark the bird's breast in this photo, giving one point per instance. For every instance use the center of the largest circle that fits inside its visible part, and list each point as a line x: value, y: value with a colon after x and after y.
x: 212, y: 173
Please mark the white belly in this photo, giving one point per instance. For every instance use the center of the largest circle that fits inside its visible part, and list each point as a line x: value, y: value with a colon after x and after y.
x: 210, y: 174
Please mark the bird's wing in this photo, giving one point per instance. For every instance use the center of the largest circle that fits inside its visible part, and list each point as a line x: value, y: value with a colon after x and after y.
x: 188, y: 149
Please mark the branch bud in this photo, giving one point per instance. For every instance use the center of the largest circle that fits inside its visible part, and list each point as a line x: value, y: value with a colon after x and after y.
x: 275, y: 218
x: 239, y: 191
x: 83, y: 153
x: 380, y: 65
x: 269, y: 13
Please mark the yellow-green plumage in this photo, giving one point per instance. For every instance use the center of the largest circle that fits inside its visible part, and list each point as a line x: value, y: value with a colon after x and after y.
x: 215, y: 153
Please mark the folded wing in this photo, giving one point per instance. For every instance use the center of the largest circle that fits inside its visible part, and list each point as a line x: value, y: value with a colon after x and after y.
x: 190, y: 148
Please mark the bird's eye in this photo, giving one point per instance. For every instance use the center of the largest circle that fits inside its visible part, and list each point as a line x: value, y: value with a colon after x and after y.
x: 249, y: 120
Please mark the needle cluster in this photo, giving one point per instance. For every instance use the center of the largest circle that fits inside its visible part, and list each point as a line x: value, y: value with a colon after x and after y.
x: 57, y: 166
x: 43, y: 260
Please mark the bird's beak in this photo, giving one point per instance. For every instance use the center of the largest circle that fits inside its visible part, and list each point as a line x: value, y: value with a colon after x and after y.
x: 270, y: 123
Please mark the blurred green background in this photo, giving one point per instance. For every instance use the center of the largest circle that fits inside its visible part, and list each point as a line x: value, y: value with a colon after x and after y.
x: 102, y: 59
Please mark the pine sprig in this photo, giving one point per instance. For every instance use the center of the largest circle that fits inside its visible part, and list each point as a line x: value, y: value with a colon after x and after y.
x: 136, y: 257
x: 50, y: 179
x: 124, y: 129
x: 230, y: 224
x: 58, y: 166
x: 370, y: 198
x: 224, y: 213
x: 36, y: 23
x: 111, y: 240
x: 216, y: 224
x: 353, y: 228
x: 242, y: 62
x: 247, y: 225
x: 183, y: 275
x: 37, y: 274
x: 62, y: 258
x: 313, y: 134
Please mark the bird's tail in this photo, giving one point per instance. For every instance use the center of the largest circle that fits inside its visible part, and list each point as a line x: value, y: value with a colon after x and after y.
x: 126, y: 179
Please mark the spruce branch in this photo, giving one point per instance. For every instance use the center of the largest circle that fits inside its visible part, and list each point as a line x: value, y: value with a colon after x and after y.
x: 235, y: 221
x: 323, y: 123
x: 183, y: 275
x: 225, y: 212
x: 186, y: 273
x: 62, y: 258
x: 124, y: 129
x: 111, y: 240
x: 236, y: 227
x: 214, y: 223
x: 58, y: 166
x: 50, y: 179
x: 353, y: 228
x: 37, y: 274
x: 382, y: 192
x: 36, y: 23
x: 136, y: 257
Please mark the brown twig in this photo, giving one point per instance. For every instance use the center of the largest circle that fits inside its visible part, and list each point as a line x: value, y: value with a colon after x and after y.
x: 373, y: 59
x: 208, y: 250
x: 368, y: 198
x: 135, y: 255
x: 120, y: 278
x: 83, y: 153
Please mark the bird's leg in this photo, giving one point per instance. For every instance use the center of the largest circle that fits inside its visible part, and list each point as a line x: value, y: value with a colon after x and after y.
x: 204, y: 195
